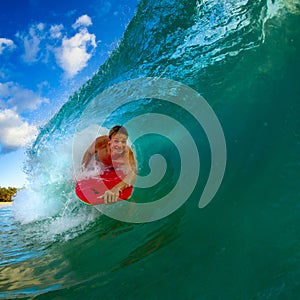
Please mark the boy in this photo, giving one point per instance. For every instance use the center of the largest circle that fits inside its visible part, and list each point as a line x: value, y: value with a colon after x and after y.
x: 113, y: 152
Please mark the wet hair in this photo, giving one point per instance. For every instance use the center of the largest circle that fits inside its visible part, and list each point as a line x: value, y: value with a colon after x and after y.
x: 117, y: 129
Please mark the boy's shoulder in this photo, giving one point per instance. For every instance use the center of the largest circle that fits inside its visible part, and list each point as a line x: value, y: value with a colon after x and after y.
x: 102, y: 141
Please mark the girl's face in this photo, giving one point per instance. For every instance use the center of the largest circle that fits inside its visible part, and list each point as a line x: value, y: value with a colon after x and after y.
x: 118, y: 144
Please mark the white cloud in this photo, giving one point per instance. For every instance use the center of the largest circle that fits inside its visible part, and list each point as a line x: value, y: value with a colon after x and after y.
x: 55, y: 31
x: 19, y: 98
x: 6, y: 44
x: 32, y: 42
x: 14, y: 132
x: 74, y: 54
x: 2, y: 73
x: 41, y: 40
x: 84, y: 21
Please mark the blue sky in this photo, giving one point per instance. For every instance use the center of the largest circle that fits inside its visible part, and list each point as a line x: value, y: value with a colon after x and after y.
x: 48, y: 49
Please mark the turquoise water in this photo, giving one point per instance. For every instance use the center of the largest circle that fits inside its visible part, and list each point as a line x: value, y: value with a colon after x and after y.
x: 243, y: 58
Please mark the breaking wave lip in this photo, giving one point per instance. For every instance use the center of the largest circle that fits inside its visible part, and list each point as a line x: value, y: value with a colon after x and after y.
x: 46, y: 222
x: 47, y: 208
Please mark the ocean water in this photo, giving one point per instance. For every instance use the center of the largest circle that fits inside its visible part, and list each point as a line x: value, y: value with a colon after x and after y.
x: 243, y: 58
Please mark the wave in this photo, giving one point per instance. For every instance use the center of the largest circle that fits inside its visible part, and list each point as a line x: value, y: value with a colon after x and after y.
x: 183, y: 41
x: 236, y: 54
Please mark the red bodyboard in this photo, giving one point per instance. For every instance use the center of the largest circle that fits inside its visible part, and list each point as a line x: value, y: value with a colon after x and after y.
x: 90, y: 190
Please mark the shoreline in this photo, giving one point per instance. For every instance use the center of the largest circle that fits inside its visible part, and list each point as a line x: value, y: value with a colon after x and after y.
x: 5, y: 203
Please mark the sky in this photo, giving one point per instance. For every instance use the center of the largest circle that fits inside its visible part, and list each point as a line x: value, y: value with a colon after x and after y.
x: 48, y: 49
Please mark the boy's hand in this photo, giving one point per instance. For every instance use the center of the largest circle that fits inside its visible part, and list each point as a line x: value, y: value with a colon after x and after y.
x: 111, y: 196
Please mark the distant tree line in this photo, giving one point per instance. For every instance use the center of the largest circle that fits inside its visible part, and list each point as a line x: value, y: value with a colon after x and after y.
x: 6, y: 194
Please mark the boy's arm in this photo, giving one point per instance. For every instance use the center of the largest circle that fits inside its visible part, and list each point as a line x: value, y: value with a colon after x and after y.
x: 88, y: 154
x: 130, y: 178
x: 99, y: 144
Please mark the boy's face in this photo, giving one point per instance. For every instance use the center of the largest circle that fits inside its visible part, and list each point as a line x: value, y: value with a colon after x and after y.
x: 118, y: 144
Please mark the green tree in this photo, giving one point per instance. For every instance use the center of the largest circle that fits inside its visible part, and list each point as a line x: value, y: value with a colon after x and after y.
x: 6, y: 194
